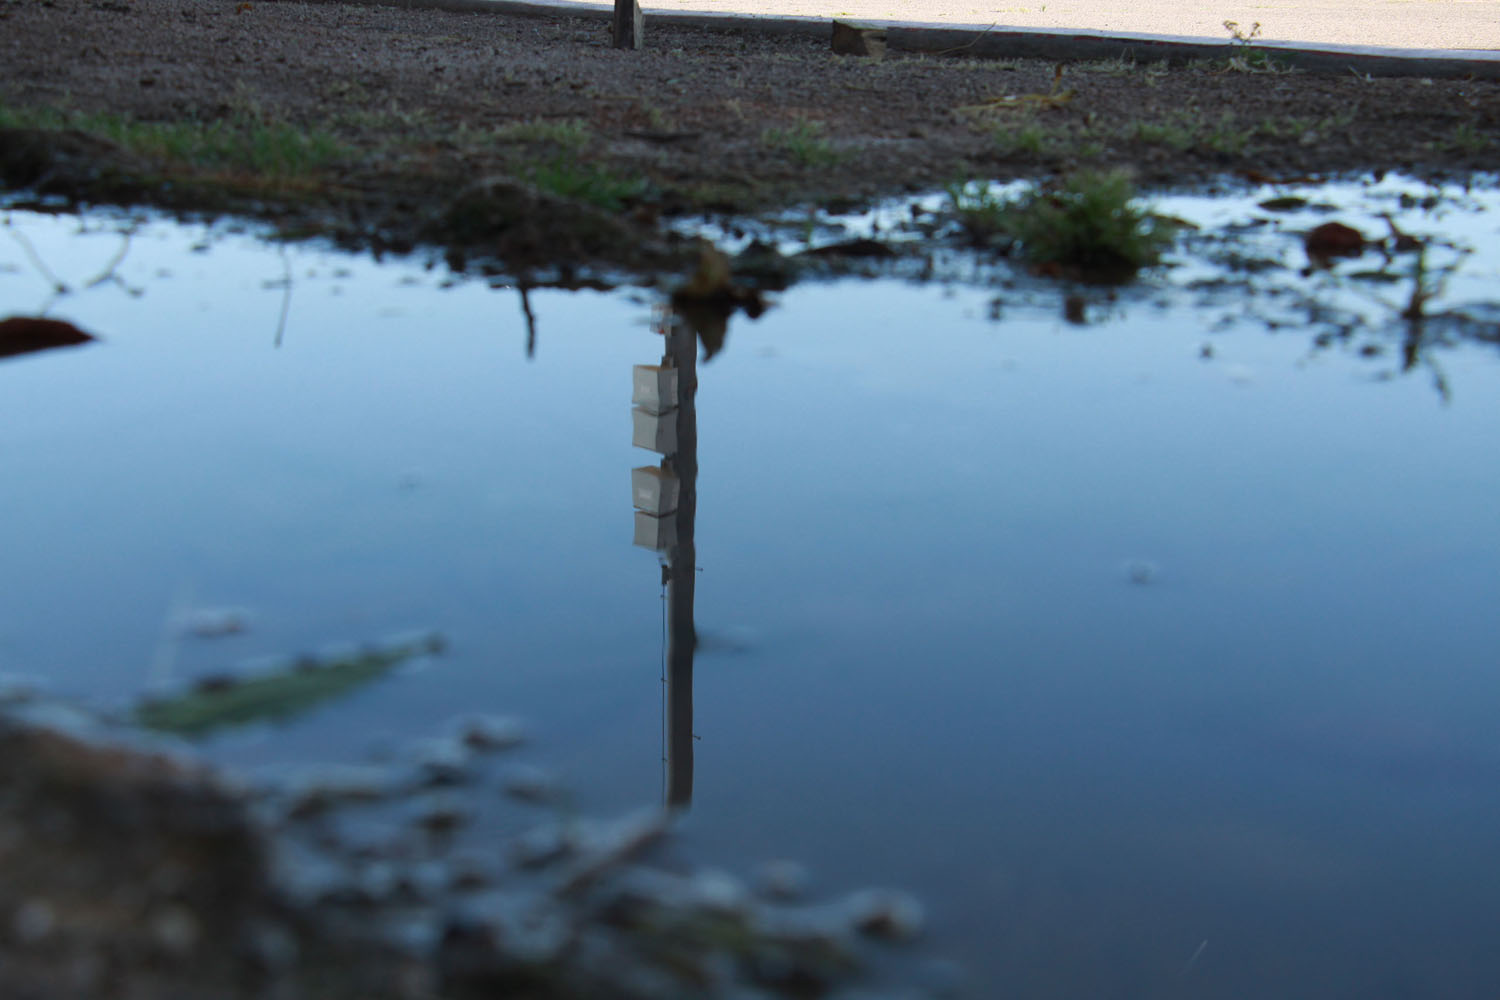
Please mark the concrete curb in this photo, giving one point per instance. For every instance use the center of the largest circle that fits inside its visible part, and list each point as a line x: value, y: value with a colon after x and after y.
x: 1028, y: 43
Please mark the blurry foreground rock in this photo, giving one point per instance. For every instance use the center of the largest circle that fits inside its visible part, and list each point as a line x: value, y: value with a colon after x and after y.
x: 122, y: 872
x: 26, y: 334
x: 128, y: 870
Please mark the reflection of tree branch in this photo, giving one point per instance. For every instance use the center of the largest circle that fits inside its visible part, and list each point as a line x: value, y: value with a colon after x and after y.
x: 108, y: 274
x: 286, y: 297
x: 1440, y: 382
x: 530, y: 322
x: 58, y: 288
x: 1420, y: 327
x: 1415, y: 315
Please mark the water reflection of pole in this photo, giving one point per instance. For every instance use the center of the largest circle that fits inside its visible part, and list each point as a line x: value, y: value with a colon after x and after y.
x: 666, y: 498
x: 682, y: 638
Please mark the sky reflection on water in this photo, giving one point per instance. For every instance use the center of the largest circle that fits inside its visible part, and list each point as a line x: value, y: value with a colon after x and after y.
x: 1107, y: 648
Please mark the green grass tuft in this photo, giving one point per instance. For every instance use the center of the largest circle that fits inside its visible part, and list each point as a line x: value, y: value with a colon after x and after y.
x: 239, y: 142
x: 595, y: 185
x: 571, y: 134
x: 803, y: 141
x: 1090, y: 226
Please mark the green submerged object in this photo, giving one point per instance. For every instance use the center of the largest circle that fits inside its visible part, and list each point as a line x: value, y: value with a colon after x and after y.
x: 218, y: 702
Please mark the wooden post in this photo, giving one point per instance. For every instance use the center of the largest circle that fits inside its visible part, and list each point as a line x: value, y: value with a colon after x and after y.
x: 851, y: 38
x: 630, y: 24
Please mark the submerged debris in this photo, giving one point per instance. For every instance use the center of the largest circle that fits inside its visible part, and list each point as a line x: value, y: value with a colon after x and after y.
x: 225, y: 700
x: 132, y: 871
x: 491, y: 733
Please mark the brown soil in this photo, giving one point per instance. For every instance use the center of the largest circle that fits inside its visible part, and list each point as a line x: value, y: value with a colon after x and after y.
x: 427, y: 103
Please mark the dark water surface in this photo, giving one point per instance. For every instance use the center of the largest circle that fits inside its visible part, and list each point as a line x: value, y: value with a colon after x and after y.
x: 1155, y: 674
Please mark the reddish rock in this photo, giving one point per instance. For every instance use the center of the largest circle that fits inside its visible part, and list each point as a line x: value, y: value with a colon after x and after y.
x: 1334, y: 239
x: 24, y: 334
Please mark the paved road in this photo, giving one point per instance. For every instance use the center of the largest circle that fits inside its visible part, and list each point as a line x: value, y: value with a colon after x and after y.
x: 1410, y: 24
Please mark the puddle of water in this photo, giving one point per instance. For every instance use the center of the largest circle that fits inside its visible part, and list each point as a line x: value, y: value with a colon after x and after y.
x: 1157, y: 672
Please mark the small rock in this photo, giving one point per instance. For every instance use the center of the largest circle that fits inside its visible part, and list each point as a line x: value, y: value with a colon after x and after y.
x: 1334, y: 239
x: 24, y: 334
x: 1075, y: 310
x: 469, y: 871
x: 527, y: 783
x: 441, y: 761
x: 886, y: 914
x: 324, y: 787
x: 853, y: 38
x: 440, y: 814
x: 215, y: 684
x: 492, y: 733
x: 781, y: 880
x: 1289, y: 203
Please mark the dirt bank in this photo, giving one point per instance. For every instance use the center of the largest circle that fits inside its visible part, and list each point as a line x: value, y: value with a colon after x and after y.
x: 375, y: 123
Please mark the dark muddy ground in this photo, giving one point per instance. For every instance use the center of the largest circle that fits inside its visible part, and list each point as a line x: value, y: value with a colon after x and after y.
x: 377, y: 123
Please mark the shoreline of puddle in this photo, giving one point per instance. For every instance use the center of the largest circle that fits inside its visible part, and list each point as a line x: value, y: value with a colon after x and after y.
x: 1231, y: 265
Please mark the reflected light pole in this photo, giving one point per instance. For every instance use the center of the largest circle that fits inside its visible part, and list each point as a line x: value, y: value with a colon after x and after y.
x: 665, y: 421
